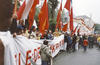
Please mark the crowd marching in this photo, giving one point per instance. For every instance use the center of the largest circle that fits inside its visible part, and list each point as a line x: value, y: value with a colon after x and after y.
x: 73, y: 42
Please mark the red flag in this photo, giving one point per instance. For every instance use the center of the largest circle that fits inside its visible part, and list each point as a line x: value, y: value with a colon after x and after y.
x: 47, y: 22
x: 43, y: 18
x: 24, y: 10
x: 58, y: 24
x: 74, y: 30
x: 67, y: 5
x: 78, y: 30
x: 21, y: 10
x: 32, y: 13
x: 65, y: 27
x: 71, y: 20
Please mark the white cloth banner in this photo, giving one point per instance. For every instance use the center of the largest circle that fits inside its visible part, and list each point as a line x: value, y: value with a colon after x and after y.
x: 23, y: 51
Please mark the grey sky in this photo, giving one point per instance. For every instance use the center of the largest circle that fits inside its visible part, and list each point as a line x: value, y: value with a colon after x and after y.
x: 90, y: 8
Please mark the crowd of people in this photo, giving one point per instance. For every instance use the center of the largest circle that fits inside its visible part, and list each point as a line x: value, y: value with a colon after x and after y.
x: 75, y: 42
x: 21, y: 27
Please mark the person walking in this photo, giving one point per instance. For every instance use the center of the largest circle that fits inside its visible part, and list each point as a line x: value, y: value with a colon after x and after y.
x: 45, y: 53
x: 90, y: 41
x: 68, y: 40
x: 74, y: 38
x: 80, y: 42
x: 77, y: 43
x: 98, y: 40
x: 85, y: 43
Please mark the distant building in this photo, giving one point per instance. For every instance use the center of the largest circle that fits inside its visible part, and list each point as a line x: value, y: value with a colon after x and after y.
x: 97, y: 28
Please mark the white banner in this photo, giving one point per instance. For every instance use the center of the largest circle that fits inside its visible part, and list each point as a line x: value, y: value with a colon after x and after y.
x: 23, y: 51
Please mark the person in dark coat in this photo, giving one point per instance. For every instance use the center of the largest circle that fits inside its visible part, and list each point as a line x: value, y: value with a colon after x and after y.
x: 90, y: 41
x: 45, y: 35
x: 69, y: 42
x: 81, y: 41
x: 66, y: 40
x: 50, y: 35
x: 74, y: 38
x: 94, y: 40
x: 84, y: 36
x: 27, y: 23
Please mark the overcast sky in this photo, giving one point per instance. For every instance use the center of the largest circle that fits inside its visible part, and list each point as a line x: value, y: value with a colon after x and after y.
x: 90, y: 8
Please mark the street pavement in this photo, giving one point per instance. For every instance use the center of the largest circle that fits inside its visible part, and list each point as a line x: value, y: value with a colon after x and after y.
x: 90, y: 57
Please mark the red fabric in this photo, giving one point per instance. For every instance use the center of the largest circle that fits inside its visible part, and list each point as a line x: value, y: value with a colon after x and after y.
x: 86, y: 26
x: 32, y: 13
x: 58, y: 19
x: 43, y: 18
x: 74, y: 30
x: 47, y: 18
x: 58, y: 24
x: 65, y: 28
x: 78, y: 30
x: 67, y: 5
x: 85, y: 42
x: 20, y: 11
x: 71, y: 20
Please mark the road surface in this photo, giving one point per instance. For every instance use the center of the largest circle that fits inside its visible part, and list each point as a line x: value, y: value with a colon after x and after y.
x: 90, y: 57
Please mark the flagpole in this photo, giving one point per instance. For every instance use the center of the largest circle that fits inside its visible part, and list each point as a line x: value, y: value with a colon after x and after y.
x: 15, y: 8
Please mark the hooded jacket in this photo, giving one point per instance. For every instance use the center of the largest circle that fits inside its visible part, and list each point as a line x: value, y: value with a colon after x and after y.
x: 45, y: 53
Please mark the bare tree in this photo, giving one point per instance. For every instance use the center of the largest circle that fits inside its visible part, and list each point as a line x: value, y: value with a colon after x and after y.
x: 52, y: 6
